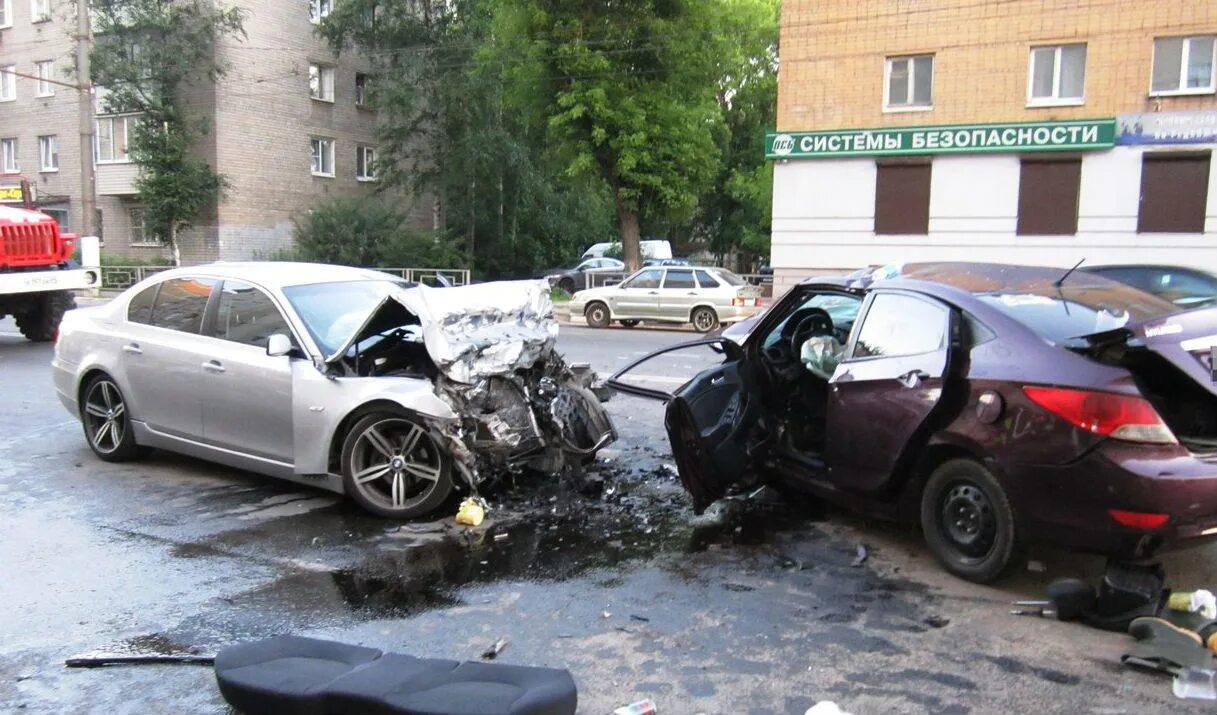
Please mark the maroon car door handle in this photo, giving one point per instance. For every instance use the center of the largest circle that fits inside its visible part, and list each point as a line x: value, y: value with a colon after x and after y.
x: 913, y: 378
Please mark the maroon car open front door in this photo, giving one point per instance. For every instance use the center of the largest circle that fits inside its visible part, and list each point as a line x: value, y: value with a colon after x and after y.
x: 891, y: 381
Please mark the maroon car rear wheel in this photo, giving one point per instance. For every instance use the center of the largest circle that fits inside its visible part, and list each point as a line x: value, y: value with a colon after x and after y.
x: 968, y: 521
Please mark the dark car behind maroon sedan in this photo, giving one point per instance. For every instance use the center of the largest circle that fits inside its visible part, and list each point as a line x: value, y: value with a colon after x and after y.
x: 997, y: 405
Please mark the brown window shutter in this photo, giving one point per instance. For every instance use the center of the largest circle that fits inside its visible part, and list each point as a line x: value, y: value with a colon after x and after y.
x: 902, y: 198
x: 1174, y: 188
x: 1048, y: 197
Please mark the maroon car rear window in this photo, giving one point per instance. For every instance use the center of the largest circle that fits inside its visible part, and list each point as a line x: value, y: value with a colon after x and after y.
x: 1078, y: 311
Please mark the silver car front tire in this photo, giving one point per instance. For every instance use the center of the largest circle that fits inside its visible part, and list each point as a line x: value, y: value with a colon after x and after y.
x: 107, y: 421
x: 392, y: 466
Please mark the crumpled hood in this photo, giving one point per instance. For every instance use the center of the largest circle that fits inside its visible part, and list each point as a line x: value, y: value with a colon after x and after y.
x: 470, y: 332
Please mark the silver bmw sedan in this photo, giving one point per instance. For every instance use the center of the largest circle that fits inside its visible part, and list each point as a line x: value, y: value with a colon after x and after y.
x: 342, y: 378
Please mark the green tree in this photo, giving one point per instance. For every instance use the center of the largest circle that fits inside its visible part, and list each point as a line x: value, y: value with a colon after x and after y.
x: 367, y: 231
x: 146, y: 55
x: 736, y: 213
x: 632, y: 94
x: 447, y: 132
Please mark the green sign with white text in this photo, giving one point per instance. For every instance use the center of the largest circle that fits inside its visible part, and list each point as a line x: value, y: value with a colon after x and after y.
x: 948, y: 139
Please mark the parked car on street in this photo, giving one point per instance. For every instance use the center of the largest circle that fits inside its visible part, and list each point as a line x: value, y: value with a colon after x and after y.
x: 705, y: 297
x: 346, y: 379
x: 996, y: 405
x: 573, y: 277
x: 648, y: 248
x: 1185, y: 287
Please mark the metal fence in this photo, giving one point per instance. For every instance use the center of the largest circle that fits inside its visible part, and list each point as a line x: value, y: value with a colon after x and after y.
x: 121, y: 277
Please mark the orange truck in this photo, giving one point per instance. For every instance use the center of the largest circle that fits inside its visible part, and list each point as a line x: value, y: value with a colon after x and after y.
x: 38, y: 276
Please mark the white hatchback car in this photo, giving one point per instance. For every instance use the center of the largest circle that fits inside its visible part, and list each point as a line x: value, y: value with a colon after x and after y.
x: 705, y: 297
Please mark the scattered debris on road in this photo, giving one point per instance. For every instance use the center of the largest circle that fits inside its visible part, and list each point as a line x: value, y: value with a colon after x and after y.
x: 860, y: 559
x: 497, y: 647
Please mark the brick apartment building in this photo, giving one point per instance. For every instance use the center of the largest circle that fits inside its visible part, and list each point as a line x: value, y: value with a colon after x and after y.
x: 1019, y: 131
x: 291, y: 126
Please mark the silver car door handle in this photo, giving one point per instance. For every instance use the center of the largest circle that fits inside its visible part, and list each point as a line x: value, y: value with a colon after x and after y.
x: 692, y: 292
x: 133, y: 348
x: 213, y: 366
x: 652, y: 292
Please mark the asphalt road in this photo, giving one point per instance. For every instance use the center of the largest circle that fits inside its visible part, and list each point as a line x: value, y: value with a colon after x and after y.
x: 753, y: 608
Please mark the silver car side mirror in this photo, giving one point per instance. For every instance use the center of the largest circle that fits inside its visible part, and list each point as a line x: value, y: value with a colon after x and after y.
x: 278, y: 345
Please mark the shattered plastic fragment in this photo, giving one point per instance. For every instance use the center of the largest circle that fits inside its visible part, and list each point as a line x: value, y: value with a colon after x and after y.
x: 825, y: 707
x: 1195, y: 684
x: 471, y: 512
x: 1202, y: 602
x: 497, y: 647
x: 860, y: 559
x: 642, y: 707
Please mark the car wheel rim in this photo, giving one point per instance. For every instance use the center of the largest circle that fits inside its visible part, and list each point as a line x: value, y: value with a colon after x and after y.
x: 395, y: 463
x: 597, y: 315
x: 105, y: 416
x: 704, y: 320
x: 968, y: 521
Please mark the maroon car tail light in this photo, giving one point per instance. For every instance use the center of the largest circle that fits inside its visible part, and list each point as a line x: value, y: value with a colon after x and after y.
x: 1123, y: 417
x: 1142, y: 521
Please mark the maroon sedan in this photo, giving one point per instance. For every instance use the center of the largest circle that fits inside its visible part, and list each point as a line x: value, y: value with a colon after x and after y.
x: 997, y: 405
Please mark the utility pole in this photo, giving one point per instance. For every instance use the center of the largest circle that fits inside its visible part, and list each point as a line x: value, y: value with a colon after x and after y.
x: 88, y: 197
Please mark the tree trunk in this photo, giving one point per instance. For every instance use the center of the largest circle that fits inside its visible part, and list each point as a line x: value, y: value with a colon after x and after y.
x: 174, y: 247
x: 627, y: 230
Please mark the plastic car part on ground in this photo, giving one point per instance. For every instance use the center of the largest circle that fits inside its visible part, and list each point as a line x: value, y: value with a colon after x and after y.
x: 471, y: 512
x: 289, y: 674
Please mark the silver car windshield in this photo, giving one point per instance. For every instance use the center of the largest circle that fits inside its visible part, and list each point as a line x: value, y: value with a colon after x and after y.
x: 332, y: 312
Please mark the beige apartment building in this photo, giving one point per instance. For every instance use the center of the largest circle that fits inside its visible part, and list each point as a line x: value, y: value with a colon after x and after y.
x: 1017, y: 131
x: 291, y: 126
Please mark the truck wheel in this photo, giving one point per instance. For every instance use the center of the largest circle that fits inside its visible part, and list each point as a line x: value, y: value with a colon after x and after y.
x: 41, y: 323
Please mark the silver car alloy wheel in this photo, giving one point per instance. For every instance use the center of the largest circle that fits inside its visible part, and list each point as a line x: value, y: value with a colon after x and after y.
x: 703, y: 320
x: 105, y: 415
x: 395, y: 463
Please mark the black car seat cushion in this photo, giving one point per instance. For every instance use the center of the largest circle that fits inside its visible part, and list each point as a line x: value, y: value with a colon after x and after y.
x: 306, y: 676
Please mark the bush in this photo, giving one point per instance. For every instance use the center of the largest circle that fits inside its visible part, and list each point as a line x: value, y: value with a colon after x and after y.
x: 367, y: 231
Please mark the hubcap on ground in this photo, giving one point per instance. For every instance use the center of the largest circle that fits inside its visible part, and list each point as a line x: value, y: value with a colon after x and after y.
x: 395, y: 463
x: 105, y: 415
x: 968, y: 520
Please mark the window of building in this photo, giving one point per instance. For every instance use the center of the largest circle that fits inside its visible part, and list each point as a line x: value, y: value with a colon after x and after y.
x: 44, y: 71
x: 910, y: 83
x: 1048, y: 197
x: 40, y: 10
x: 180, y: 304
x: 323, y: 157
x: 8, y: 82
x: 902, y: 198
x: 321, y: 82
x: 110, y: 141
x: 318, y: 9
x: 6, y: 13
x: 362, y: 89
x: 8, y: 156
x: 141, y: 233
x: 48, y: 153
x: 1057, y: 75
x: 1174, y: 188
x: 246, y: 315
x: 365, y: 163
x: 1183, y: 65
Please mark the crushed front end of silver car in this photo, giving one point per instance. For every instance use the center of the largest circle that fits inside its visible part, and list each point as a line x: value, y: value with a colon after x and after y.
x: 490, y: 351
